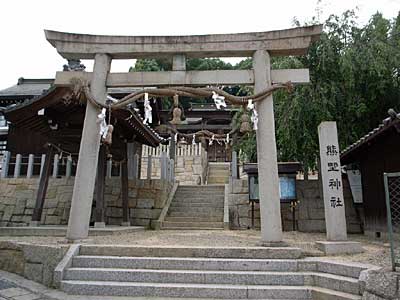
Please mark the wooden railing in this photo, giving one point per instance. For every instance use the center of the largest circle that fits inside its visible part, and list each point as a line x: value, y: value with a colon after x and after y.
x: 180, y: 150
x: 28, y: 166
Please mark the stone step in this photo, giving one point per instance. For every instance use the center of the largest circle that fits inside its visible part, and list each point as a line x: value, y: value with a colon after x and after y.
x: 337, y: 283
x: 328, y: 281
x: 190, y: 214
x: 168, y: 224
x: 192, y: 276
x: 201, y: 187
x: 189, y: 205
x: 180, y: 290
x: 191, y: 263
x: 217, y: 180
x: 192, y: 252
x: 326, y: 294
x: 218, y: 173
x: 200, y: 193
x: 348, y: 269
x: 191, y: 228
x: 203, y: 210
x: 218, y: 165
x: 199, y: 200
x: 194, y: 219
x: 351, y: 270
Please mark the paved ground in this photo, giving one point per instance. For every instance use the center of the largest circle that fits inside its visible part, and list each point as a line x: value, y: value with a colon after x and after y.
x: 377, y: 252
x: 11, y: 290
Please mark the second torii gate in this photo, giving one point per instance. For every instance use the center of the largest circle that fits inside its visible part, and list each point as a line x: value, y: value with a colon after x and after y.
x: 259, y: 45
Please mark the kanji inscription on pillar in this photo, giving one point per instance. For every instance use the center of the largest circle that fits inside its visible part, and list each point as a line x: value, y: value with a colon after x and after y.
x: 332, y: 185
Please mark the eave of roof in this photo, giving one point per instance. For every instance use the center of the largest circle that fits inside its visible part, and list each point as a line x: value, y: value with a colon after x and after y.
x: 54, y: 94
x: 27, y: 88
x: 348, y: 153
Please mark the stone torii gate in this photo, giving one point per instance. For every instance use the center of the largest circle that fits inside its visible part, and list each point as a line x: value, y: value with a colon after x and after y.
x: 259, y: 45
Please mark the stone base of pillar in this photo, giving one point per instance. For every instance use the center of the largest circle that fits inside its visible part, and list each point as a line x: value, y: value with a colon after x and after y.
x: 273, y: 244
x: 339, y: 247
x: 99, y: 224
x: 126, y: 224
x: 34, y: 223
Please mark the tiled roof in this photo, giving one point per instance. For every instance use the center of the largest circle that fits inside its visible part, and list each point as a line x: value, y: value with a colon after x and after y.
x: 27, y: 87
x: 36, y: 87
x: 386, y: 124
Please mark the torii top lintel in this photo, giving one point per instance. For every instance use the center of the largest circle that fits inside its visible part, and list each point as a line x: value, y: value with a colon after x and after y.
x: 294, y: 41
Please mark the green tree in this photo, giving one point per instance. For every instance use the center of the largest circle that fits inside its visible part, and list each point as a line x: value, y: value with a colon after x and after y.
x: 354, y: 81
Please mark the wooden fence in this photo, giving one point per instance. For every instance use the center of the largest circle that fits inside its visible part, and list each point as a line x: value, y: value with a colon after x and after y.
x: 28, y: 166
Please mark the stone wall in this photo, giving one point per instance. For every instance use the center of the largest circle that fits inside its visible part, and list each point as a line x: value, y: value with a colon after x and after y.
x: 189, y: 169
x: 380, y: 285
x: 18, y: 196
x: 34, y: 262
x: 310, y: 210
x: 146, y: 200
x: 310, y: 215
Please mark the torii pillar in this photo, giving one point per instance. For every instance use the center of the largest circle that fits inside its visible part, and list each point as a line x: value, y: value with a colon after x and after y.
x: 270, y: 206
x: 82, y: 196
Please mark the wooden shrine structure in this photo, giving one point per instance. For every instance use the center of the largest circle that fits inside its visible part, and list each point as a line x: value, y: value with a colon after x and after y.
x: 52, y: 123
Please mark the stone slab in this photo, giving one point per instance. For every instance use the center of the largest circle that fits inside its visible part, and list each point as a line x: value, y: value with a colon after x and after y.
x: 338, y: 247
x: 293, y: 41
x: 183, y: 251
x: 13, y: 292
x: 62, y: 230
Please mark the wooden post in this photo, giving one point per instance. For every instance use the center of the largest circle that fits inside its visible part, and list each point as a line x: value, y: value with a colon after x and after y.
x: 136, y: 173
x: 172, y: 146
x: 17, y: 166
x: 5, y: 163
x: 55, y: 166
x: 149, y: 166
x: 100, y: 183
x: 124, y: 193
x: 41, y: 193
x: 172, y: 170
x: 42, y: 164
x: 29, y: 172
x: 163, y: 165
x: 131, y: 156
x: 68, y: 170
x: 234, y: 166
x: 168, y: 168
x: 109, y: 167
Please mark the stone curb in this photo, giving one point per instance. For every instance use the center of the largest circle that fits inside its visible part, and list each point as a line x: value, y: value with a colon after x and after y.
x: 158, y: 223
x: 64, y: 264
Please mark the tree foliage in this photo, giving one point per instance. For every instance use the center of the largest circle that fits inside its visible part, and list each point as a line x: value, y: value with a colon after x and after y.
x: 354, y: 80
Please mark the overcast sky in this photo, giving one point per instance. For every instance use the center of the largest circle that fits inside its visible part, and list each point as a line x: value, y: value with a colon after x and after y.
x: 25, y: 52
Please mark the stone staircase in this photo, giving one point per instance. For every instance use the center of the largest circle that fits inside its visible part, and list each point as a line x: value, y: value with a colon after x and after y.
x: 218, y: 173
x: 196, y: 207
x: 208, y: 273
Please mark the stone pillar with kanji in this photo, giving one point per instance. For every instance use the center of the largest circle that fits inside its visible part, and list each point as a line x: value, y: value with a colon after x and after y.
x: 332, y: 188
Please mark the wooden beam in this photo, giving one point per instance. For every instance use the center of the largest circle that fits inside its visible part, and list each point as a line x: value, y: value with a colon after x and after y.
x: 124, y: 191
x: 43, y: 183
x: 100, y: 183
x: 187, y: 78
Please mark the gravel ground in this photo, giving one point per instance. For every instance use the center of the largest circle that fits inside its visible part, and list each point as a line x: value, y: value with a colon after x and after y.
x: 377, y: 252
